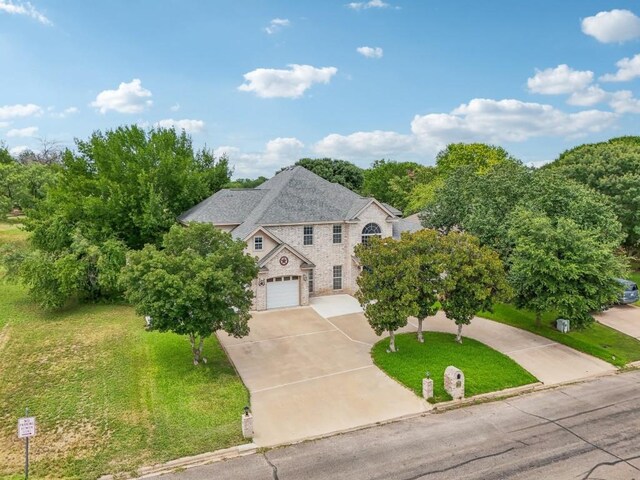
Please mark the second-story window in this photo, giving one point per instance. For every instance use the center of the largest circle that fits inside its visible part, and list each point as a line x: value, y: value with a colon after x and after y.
x: 257, y: 243
x: 308, y: 235
x: 337, y: 234
x: 370, y: 230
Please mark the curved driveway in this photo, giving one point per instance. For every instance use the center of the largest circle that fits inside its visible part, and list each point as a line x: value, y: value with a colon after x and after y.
x: 310, y: 373
x: 549, y: 361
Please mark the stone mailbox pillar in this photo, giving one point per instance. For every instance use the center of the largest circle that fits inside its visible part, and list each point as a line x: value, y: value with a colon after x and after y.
x: 427, y: 388
x: 247, y: 424
x: 454, y: 382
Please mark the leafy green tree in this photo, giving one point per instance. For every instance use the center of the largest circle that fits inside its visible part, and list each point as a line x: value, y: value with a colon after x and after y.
x: 5, y: 156
x: 126, y: 183
x: 481, y: 204
x: 246, y: 182
x: 613, y: 169
x: 479, y: 156
x: 84, y: 271
x: 22, y: 186
x: 424, y: 258
x: 378, y: 180
x: 385, y: 286
x: 195, y: 285
x: 402, y: 189
x: 472, y: 280
x: 337, y: 171
x: 557, y: 265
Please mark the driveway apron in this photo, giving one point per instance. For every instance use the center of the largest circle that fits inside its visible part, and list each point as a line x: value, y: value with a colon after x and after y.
x: 307, y: 378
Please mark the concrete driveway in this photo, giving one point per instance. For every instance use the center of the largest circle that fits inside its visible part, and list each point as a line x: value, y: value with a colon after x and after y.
x: 549, y: 361
x: 624, y: 318
x: 308, y: 378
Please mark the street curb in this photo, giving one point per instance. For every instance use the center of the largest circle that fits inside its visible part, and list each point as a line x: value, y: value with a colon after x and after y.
x: 252, y: 448
x: 187, y: 462
x: 500, y: 394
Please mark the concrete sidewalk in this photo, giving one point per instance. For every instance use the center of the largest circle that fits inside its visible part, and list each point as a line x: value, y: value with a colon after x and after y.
x: 624, y: 318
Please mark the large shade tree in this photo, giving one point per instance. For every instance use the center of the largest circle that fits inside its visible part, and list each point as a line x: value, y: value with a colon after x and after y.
x: 126, y: 183
x: 473, y: 279
x: 613, y: 169
x: 379, y: 181
x: 386, y: 286
x: 195, y: 285
x: 121, y: 189
x: 558, y: 265
x: 426, y: 262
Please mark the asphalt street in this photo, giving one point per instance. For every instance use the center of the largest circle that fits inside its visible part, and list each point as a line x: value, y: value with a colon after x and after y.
x: 584, y: 431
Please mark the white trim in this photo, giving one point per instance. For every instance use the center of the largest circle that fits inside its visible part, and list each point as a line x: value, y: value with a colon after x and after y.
x: 382, y: 207
x: 266, y: 232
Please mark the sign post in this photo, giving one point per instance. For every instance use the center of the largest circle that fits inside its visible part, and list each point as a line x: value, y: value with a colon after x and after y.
x: 26, y: 429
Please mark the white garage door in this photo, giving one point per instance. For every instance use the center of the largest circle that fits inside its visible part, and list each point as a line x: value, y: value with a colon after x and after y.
x: 283, y: 292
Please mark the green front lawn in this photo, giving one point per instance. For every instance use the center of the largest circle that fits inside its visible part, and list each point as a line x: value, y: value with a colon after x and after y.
x: 108, y: 396
x: 485, y: 369
x: 598, y: 340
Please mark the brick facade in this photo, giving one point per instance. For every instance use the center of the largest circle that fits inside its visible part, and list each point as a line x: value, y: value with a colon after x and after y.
x: 323, y: 253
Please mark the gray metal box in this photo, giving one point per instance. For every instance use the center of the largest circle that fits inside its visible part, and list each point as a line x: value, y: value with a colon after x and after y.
x: 562, y: 325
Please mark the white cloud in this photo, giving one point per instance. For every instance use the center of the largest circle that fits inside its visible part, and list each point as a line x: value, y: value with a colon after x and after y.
x: 588, y: 97
x: 480, y: 120
x: 4, y: 124
x: 559, y: 80
x: 375, y: 144
x: 22, y: 132
x: 277, y: 153
x: 291, y: 83
x: 127, y: 98
x: 188, y: 125
x: 17, y: 150
x: 276, y: 25
x: 623, y: 101
x: 20, y: 8
x: 8, y: 112
x: 370, y: 52
x: 65, y: 113
x: 367, y: 5
x: 175, y: 107
x: 613, y: 26
x: 628, y: 69
x: 508, y: 120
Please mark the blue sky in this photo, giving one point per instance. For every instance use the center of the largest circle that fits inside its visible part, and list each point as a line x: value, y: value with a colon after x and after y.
x: 269, y: 82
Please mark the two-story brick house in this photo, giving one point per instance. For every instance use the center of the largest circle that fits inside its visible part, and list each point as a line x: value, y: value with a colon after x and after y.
x: 302, y: 229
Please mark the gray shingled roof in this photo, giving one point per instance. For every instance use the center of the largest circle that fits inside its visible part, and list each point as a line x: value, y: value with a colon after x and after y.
x: 295, y: 195
x: 405, y: 225
x: 229, y: 206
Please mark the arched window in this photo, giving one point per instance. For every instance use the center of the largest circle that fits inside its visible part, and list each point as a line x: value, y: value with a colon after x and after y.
x: 370, y: 230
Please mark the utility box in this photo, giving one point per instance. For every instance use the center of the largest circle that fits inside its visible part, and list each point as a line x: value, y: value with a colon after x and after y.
x: 562, y: 324
x: 454, y: 382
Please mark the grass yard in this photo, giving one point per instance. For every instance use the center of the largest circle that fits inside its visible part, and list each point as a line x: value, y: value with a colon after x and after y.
x: 598, y: 340
x: 107, y: 395
x: 485, y: 369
